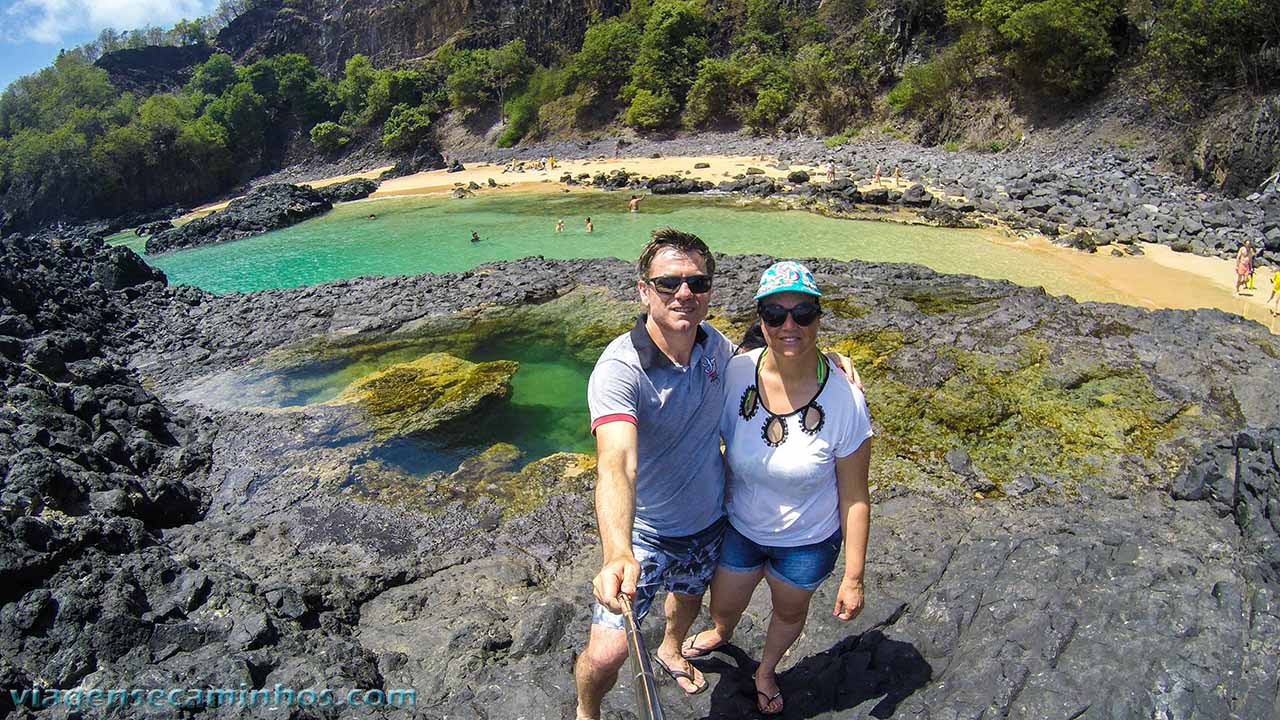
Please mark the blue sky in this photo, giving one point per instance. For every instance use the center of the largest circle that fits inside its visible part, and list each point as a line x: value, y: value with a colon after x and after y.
x: 32, y: 31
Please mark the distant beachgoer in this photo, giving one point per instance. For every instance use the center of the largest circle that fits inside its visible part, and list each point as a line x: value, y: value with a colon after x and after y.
x: 879, y: 172
x: 1275, y: 290
x: 617, y: 148
x: 560, y: 226
x: 590, y: 227
x: 475, y: 236
x: 831, y: 171
x: 1244, y: 264
x: 372, y: 216
x: 553, y: 162
x: 897, y: 174
x: 634, y: 204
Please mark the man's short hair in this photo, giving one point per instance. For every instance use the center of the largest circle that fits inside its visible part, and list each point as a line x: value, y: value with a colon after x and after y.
x: 669, y: 237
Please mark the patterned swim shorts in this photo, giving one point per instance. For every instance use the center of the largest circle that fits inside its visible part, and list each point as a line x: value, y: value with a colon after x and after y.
x: 676, y: 564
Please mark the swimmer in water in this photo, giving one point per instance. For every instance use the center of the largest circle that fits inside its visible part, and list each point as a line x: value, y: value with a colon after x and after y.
x: 590, y: 227
x: 634, y: 204
x: 560, y: 225
x: 475, y: 236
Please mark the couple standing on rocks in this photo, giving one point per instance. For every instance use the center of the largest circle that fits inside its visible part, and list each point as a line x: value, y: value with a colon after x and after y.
x: 797, y: 450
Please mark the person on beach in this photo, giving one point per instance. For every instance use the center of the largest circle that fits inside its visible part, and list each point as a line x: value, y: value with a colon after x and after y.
x: 878, y: 173
x: 590, y: 227
x: 897, y: 174
x: 656, y: 397
x: 617, y: 148
x: 634, y: 203
x: 797, y: 438
x: 1275, y: 291
x: 831, y: 171
x: 1244, y: 264
x: 560, y: 225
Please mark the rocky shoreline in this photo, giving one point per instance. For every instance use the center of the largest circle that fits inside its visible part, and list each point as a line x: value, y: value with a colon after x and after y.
x: 1070, y: 503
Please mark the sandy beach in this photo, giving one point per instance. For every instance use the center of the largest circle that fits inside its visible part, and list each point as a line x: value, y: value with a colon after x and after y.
x: 1161, y: 278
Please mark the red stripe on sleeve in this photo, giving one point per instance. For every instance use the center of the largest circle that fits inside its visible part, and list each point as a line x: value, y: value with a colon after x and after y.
x: 617, y: 417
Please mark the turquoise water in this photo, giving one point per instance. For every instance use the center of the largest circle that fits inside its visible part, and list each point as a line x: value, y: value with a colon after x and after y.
x: 432, y: 234
x: 546, y: 412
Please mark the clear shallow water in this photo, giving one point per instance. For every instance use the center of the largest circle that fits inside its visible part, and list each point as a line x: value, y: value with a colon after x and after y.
x: 432, y: 234
x: 546, y: 412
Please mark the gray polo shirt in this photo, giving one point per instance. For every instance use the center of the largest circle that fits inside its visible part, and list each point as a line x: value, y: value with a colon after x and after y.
x: 676, y: 410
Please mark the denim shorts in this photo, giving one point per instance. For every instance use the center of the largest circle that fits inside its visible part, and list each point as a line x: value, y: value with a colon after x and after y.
x: 676, y: 564
x: 804, y: 566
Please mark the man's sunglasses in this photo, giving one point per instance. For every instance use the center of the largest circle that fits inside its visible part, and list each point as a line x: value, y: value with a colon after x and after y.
x: 775, y: 315
x: 670, y: 284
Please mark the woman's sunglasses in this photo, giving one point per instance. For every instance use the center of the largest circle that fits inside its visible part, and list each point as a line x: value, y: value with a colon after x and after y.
x: 670, y: 284
x: 775, y: 315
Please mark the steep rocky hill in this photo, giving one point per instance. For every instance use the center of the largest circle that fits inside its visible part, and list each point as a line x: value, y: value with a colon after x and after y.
x: 330, y: 31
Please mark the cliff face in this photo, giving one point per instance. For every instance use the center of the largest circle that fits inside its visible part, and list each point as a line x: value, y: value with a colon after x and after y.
x: 153, y: 69
x: 330, y: 31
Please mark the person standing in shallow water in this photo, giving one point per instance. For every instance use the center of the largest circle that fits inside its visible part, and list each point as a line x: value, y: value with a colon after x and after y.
x: 634, y: 203
x: 590, y: 227
x: 560, y: 225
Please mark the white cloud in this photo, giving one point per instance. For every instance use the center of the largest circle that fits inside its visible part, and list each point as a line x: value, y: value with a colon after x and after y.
x: 49, y: 21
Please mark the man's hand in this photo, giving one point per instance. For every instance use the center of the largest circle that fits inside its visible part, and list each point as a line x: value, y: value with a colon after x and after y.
x: 617, y: 575
x: 848, y: 600
x: 846, y: 365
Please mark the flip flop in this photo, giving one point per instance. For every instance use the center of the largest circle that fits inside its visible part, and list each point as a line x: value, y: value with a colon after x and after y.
x: 768, y: 700
x: 691, y: 651
x: 677, y: 674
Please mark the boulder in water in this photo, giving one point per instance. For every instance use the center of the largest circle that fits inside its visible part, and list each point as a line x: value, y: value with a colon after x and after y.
x: 417, y: 397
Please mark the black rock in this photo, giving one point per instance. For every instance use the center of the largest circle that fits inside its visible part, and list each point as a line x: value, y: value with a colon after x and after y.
x: 266, y: 208
x: 354, y: 189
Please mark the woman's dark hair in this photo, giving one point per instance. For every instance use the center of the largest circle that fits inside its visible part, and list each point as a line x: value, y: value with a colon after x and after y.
x: 753, y: 338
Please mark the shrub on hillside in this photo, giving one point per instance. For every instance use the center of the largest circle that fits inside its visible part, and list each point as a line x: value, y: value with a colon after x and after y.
x: 608, y: 50
x: 1063, y: 45
x: 928, y: 87
x: 1207, y: 45
x: 329, y: 136
x: 650, y: 111
x: 405, y: 127
x: 673, y: 43
x: 542, y: 87
x: 711, y: 95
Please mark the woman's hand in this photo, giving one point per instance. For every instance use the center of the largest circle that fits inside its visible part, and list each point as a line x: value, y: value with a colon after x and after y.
x: 848, y: 599
x: 846, y: 366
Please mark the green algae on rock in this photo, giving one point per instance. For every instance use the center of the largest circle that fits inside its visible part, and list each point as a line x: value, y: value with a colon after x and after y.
x: 1059, y: 419
x: 418, y: 396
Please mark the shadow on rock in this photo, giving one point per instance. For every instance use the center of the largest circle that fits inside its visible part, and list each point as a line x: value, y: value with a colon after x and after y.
x: 865, y: 675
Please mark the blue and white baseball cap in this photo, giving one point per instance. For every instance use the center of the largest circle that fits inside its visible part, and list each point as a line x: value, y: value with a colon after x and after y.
x: 787, y: 276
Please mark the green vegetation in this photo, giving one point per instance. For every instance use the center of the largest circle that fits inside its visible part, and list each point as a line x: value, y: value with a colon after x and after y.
x: 73, y: 145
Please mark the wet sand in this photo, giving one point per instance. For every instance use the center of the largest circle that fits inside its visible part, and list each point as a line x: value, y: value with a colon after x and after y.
x: 1159, y: 279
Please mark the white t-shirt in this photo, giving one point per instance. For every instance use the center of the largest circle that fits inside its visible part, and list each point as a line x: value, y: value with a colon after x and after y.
x: 786, y: 496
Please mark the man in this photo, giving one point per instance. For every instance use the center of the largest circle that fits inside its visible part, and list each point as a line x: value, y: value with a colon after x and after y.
x: 655, y: 396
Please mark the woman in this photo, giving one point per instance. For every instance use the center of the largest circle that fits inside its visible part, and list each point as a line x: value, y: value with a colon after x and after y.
x: 1244, y: 264
x: 797, y: 445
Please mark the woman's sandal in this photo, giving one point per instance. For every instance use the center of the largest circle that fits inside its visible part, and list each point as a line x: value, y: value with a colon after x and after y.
x: 691, y: 651
x: 768, y: 700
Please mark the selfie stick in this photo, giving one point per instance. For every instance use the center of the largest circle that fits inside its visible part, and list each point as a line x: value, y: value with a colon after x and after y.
x: 646, y: 688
